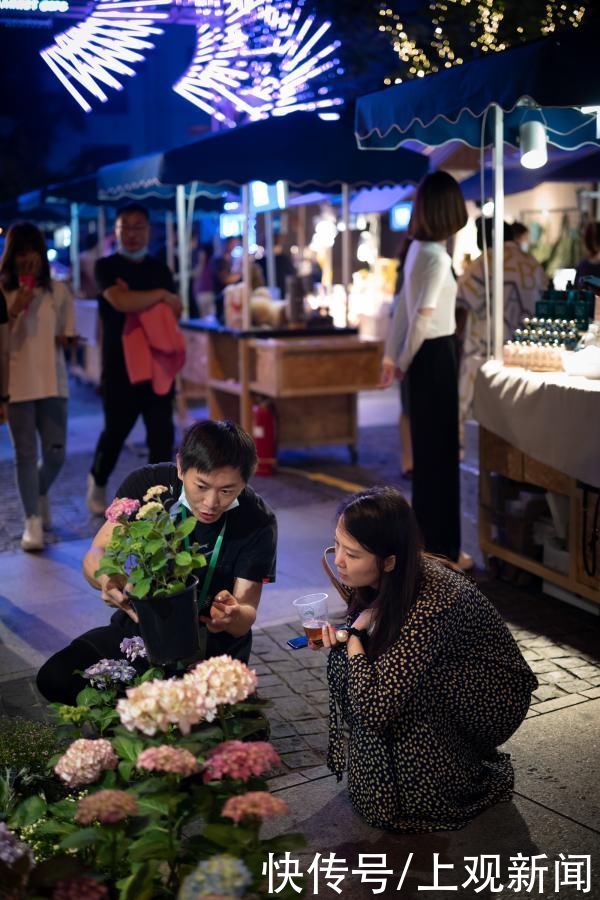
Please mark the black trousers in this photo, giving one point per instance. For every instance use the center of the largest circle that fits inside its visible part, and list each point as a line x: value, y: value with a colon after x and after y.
x: 123, y: 402
x: 58, y: 683
x: 433, y: 391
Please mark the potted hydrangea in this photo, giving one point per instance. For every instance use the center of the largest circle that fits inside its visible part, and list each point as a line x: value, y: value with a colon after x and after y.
x: 153, y: 554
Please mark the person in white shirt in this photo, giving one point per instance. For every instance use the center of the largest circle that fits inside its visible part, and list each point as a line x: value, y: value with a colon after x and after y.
x: 41, y: 324
x: 422, y: 340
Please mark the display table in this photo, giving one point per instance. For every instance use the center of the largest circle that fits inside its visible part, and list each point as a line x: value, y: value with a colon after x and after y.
x: 311, y: 377
x: 542, y: 429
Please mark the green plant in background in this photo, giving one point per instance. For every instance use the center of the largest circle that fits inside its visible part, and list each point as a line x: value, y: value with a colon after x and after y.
x: 25, y: 744
x: 148, y: 549
x: 167, y: 803
x: 26, y: 749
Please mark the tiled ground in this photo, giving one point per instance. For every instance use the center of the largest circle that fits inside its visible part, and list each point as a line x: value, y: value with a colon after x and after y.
x: 563, y: 652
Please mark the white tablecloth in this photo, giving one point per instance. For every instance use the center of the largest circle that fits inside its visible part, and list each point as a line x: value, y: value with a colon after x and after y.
x: 553, y: 417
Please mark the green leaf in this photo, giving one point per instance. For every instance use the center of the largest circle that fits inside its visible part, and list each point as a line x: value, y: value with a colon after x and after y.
x: 106, y: 718
x: 90, y: 696
x: 108, y: 567
x: 175, y: 587
x: 153, y: 844
x: 142, y: 588
x: 64, y: 809
x: 154, y: 545
x: 125, y: 770
x: 183, y: 558
x: 139, y: 885
x: 186, y: 526
x: 29, y: 811
x: 128, y: 748
x: 83, y: 837
x: 291, y: 841
x: 198, y: 561
x: 158, y: 562
x: 158, y: 803
x: 136, y: 575
x: 52, y: 827
x: 150, y: 674
x: 141, y: 528
x: 229, y: 836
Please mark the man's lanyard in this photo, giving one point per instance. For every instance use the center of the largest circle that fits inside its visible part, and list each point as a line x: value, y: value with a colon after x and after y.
x: 212, y: 565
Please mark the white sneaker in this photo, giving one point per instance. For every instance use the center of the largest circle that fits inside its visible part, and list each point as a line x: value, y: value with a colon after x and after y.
x: 33, y: 536
x: 44, y: 511
x: 95, y: 497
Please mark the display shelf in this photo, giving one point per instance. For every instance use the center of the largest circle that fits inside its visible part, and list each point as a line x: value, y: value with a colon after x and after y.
x: 310, y: 378
x: 498, y: 457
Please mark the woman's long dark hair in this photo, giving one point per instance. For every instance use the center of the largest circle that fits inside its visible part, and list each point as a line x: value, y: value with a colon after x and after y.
x: 23, y: 237
x: 382, y: 522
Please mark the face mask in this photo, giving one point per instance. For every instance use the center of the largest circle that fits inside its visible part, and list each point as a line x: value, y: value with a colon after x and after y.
x: 183, y: 501
x: 134, y: 255
x: 524, y: 245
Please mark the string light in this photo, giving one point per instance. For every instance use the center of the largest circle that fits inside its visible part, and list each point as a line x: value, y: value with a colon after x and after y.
x: 460, y: 29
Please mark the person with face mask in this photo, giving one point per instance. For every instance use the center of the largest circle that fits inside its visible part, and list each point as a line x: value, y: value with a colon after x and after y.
x: 236, y: 531
x: 129, y: 281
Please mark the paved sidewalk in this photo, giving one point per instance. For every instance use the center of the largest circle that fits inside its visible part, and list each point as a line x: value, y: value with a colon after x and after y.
x: 556, y: 808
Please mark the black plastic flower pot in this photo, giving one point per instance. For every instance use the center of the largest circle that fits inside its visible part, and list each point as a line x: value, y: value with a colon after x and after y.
x: 169, y: 626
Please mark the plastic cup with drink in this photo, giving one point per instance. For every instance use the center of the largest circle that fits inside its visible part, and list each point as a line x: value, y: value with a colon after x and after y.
x: 312, y: 609
x: 27, y: 280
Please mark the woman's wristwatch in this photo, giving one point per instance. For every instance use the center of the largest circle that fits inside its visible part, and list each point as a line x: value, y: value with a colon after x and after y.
x: 342, y: 634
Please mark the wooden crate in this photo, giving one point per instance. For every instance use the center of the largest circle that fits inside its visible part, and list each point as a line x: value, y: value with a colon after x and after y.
x: 587, y: 539
x: 497, y: 455
x: 288, y: 367
x: 315, y: 421
x: 194, y: 375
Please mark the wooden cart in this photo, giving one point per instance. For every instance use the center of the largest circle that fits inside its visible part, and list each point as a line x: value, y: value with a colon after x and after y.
x: 497, y: 456
x: 311, y: 378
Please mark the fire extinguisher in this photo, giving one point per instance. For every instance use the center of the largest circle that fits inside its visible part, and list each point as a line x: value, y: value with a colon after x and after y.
x: 263, y: 432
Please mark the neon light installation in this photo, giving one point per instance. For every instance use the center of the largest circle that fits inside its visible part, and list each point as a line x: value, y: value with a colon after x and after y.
x: 253, y: 58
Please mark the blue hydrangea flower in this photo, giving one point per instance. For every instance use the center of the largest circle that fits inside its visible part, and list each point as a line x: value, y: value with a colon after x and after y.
x: 12, y: 849
x: 108, y: 672
x: 221, y: 874
x: 133, y: 648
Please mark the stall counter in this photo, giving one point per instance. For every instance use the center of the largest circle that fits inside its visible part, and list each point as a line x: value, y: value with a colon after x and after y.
x: 542, y: 429
x: 310, y: 377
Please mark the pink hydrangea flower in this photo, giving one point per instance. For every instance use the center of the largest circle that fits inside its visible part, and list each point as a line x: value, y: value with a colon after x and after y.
x: 238, y: 759
x: 254, y: 804
x: 84, y: 761
x: 155, y: 705
x: 168, y: 759
x: 106, y: 807
x: 121, y: 506
x: 223, y: 680
x: 83, y: 888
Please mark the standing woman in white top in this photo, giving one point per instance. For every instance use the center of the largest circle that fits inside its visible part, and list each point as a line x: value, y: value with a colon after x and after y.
x: 422, y: 341
x: 41, y: 320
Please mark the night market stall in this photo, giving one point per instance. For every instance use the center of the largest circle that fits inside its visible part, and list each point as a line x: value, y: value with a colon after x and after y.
x: 306, y: 378
x: 521, y: 97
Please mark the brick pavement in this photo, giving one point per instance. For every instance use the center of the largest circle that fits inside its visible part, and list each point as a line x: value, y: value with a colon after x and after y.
x: 562, y: 651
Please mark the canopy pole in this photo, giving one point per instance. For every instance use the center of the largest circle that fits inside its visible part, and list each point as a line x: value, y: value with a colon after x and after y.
x: 301, y: 231
x: 101, y: 229
x: 182, y: 248
x: 269, y: 249
x: 498, y: 240
x: 346, y: 274
x: 246, y: 272
x: 74, y: 248
x: 170, y: 240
